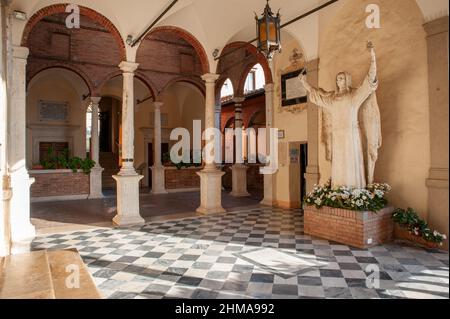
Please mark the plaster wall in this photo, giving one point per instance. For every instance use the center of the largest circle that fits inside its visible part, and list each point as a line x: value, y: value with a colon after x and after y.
x: 401, y: 50
x: 295, y: 126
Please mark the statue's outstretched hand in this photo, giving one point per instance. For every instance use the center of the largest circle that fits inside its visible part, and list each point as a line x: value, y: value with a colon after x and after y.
x: 371, y: 48
x: 302, y: 78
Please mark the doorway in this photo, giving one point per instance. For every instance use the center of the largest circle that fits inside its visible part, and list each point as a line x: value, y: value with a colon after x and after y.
x: 151, y: 159
x: 303, y: 165
x: 105, y: 131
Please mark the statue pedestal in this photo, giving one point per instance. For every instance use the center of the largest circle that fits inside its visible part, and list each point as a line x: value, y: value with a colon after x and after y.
x: 128, y: 200
x: 239, y: 181
x: 352, y: 228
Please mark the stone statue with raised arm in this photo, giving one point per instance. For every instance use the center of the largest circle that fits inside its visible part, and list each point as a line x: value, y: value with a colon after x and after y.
x: 352, y: 126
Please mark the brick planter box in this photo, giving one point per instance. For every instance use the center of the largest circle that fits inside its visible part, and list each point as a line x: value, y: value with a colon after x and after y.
x: 357, y: 229
x: 60, y: 184
x: 182, y: 179
x: 404, y: 234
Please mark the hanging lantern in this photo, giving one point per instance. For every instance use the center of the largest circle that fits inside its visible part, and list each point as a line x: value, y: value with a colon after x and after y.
x: 268, y: 32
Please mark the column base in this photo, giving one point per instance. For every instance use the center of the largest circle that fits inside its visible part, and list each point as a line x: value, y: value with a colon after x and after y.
x: 158, y: 180
x: 95, y: 179
x: 19, y: 208
x: 210, y: 192
x: 128, y: 200
x: 239, y: 181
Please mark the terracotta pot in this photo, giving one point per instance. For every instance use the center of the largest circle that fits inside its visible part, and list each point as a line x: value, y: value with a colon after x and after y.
x: 403, y: 233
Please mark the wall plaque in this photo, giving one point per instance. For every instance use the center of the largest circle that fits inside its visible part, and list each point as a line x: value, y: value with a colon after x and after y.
x: 292, y: 92
x: 53, y: 111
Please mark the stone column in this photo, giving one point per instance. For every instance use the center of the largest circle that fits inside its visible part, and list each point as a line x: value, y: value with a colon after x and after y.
x: 22, y: 231
x: 312, y: 174
x: 239, y: 171
x: 437, y: 43
x: 5, y: 190
x: 158, y: 177
x: 269, y: 179
x: 128, y: 179
x: 96, y: 171
x: 210, y: 176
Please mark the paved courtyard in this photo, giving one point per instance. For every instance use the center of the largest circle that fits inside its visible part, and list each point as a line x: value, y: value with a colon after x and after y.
x: 254, y: 253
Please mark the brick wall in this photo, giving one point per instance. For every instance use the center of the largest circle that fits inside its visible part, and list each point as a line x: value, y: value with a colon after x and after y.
x: 182, y: 178
x: 94, y: 51
x: 250, y: 107
x: 350, y: 227
x: 61, y: 183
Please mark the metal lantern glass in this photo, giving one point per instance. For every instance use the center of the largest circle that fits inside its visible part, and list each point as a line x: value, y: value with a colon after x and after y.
x: 268, y: 31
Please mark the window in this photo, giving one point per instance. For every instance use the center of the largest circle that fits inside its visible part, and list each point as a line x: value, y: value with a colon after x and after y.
x: 255, y: 80
x: 227, y: 91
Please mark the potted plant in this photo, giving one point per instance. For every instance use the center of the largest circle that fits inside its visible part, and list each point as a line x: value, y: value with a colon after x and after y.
x: 409, y: 226
x: 63, y: 161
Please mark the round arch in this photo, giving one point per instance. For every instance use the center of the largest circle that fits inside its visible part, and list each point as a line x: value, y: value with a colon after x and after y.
x: 185, y: 35
x: 70, y: 68
x: 196, y: 83
x: 138, y: 75
x: 253, y: 116
x: 84, y: 11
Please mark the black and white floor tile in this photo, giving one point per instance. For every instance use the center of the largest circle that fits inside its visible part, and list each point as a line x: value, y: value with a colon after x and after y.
x: 259, y: 253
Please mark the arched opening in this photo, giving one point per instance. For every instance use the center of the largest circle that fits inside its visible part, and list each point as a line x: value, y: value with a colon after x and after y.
x: 55, y: 117
x: 255, y: 80
x: 227, y: 91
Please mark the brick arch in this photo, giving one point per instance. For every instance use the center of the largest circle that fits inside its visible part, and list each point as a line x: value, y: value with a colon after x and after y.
x: 84, y: 11
x: 71, y: 68
x: 226, y: 124
x: 260, y: 58
x: 199, y: 85
x: 185, y: 35
x: 252, y: 117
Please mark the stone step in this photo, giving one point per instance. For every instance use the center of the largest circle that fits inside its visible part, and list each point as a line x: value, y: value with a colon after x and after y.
x: 26, y: 276
x: 44, y: 275
x: 65, y: 263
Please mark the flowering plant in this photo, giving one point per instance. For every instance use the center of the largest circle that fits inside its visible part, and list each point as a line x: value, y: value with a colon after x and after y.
x: 410, y: 220
x: 372, y: 198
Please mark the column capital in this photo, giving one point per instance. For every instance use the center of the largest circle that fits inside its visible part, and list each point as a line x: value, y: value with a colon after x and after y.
x: 20, y: 52
x: 270, y: 87
x: 436, y: 26
x: 210, y: 77
x: 128, y: 67
x: 95, y: 99
x: 239, y: 100
x: 313, y: 65
x: 158, y: 105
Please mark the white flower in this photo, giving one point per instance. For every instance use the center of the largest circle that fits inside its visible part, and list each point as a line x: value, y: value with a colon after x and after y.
x: 444, y: 237
x: 379, y: 193
x: 359, y: 203
x: 318, y: 202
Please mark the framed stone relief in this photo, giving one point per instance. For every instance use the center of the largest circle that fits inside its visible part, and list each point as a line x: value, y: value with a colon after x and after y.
x: 292, y: 95
x: 292, y: 92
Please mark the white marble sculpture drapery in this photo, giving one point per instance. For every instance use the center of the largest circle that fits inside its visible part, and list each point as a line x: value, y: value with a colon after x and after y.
x: 344, y: 108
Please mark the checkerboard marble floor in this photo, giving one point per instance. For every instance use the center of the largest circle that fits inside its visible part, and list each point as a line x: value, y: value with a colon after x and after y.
x: 258, y: 253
